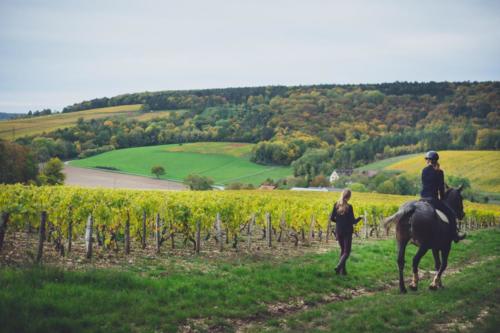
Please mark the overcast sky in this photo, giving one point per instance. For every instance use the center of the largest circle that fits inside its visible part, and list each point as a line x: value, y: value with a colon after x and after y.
x: 55, y: 53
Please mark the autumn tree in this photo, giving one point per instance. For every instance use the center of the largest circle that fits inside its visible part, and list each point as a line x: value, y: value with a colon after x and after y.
x: 158, y: 170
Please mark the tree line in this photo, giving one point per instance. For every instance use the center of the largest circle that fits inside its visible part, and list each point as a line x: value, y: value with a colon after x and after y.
x: 313, y: 128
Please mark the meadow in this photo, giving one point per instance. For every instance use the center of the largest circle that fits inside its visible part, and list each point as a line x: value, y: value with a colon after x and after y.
x: 482, y: 168
x: 15, y: 128
x: 256, y: 293
x: 224, y: 162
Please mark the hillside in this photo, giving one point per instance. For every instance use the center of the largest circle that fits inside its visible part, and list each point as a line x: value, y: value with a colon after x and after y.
x: 315, y: 129
x: 482, y: 168
x: 15, y: 128
x: 223, y: 162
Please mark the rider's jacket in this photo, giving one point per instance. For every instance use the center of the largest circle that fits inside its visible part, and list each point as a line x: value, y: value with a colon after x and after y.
x: 432, y: 183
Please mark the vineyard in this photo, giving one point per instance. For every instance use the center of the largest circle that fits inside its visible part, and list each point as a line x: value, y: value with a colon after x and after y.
x: 238, y: 220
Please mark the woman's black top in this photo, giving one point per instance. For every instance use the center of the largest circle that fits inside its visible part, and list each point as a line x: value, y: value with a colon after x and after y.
x: 432, y: 183
x: 344, y: 222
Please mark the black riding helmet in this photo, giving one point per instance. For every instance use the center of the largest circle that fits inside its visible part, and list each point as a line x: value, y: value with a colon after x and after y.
x: 432, y: 155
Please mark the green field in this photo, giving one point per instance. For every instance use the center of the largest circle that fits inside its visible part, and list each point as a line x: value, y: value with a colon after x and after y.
x: 15, y: 128
x: 245, y: 293
x: 482, y: 168
x: 223, y: 162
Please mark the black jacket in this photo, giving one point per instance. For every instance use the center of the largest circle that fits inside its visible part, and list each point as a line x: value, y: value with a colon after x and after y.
x: 432, y: 183
x: 344, y: 222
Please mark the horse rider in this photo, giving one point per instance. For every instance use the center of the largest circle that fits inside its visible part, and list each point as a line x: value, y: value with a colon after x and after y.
x: 433, y: 191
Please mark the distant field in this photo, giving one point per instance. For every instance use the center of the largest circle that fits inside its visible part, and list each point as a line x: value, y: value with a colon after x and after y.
x: 379, y: 165
x: 224, y: 162
x: 482, y: 168
x: 12, y: 129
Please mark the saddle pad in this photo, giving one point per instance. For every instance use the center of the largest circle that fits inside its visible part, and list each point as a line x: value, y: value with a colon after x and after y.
x: 442, y: 216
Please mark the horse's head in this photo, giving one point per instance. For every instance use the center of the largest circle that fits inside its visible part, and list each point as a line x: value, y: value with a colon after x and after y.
x: 453, y: 197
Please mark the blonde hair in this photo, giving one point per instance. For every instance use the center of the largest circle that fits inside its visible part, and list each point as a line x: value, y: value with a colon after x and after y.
x: 342, y: 202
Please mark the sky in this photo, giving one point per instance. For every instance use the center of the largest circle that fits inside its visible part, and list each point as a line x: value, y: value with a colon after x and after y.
x: 56, y: 53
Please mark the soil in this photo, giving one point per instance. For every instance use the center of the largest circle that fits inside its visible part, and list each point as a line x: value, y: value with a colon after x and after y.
x: 108, y: 179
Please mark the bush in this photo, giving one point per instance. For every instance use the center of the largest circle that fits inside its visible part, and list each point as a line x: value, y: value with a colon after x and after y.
x: 320, y: 181
x: 386, y: 187
x: 51, y: 173
x: 95, y: 151
x: 358, y: 187
x: 240, y: 186
x: 198, y: 183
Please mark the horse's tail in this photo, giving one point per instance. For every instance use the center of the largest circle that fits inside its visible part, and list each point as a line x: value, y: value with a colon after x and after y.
x: 401, y: 215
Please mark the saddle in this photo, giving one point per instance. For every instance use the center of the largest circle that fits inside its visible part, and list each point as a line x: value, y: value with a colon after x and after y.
x: 442, y: 216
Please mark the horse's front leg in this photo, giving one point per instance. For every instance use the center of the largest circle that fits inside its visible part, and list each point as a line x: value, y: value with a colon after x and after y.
x: 416, y: 260
x: 436, y: 283
x: 401, y: 264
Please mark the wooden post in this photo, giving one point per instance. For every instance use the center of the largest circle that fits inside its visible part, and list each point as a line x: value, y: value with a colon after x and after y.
x: 127, y: 234
x: 172, y: 240
x: 328, y: 230
x: 198, y: 236
x: 3, y: 228
x: 249, y: 232
x: 41, y: 237
x: 70, y: 234
x: 311, y: 228
x: 157, y: 233
x: 219, y: 232
x: 88, y: 236
x: 269, y: 230
x: 365, y: 223
x: 144, y: 231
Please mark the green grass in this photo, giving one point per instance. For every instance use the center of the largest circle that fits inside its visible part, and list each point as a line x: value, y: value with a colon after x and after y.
x: 224, y: 162
x: 476, y: 289
x: 161, y: 297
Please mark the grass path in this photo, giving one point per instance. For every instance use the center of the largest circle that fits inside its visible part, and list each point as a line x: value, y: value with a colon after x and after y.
x: 303, y: 317
x: 470, y: 303
x: 215, y: 294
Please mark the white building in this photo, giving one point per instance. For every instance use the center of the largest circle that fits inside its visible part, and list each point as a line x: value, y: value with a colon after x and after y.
x: 334, y: 176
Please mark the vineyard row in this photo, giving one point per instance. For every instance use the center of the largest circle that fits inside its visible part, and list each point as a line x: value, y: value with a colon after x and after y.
x: 63, y: 213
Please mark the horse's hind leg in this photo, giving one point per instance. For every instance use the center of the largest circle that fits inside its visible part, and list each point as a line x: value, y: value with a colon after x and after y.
x: 401, y: 264
x: 437, y: 261
x: 416, y: 260
x: 436, y: 283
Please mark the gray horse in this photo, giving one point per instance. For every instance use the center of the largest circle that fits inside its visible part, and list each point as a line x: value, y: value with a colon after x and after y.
x: 418, y: 222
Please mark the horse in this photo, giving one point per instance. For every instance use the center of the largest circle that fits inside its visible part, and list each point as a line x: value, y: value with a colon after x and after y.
x: 417, y: 221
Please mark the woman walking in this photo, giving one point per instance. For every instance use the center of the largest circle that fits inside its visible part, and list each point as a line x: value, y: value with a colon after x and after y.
x: 343, y: 216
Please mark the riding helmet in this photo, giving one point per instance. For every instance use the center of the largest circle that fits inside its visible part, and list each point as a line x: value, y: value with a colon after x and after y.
x: 432, y: 155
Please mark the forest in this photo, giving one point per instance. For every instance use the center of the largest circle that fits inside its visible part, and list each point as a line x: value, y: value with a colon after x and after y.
x: 313, y: 128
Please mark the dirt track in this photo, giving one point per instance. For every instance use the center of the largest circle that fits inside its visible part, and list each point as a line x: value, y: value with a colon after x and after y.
x: 97, y: 178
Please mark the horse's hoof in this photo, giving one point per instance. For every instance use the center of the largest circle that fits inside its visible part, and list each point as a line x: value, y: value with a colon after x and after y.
x: 413, y: 288
x: 403, y: 291
x: 432, y: 287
